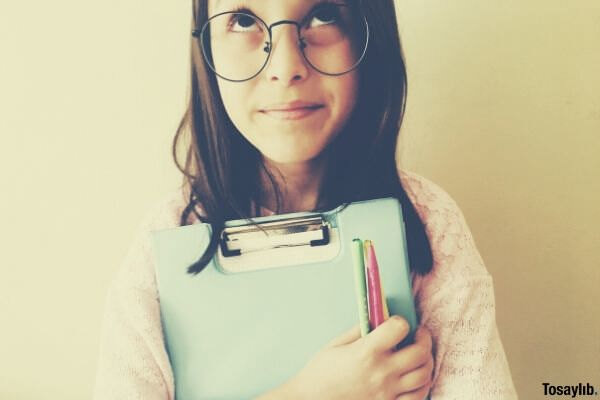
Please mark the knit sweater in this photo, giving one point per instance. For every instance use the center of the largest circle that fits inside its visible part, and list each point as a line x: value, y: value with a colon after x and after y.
x: 455, y: 301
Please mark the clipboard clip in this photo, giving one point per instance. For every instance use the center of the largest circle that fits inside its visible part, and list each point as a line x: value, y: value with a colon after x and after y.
x: 289, y: 232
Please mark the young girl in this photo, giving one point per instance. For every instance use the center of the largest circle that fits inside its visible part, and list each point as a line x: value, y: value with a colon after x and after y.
x: 296, y: 105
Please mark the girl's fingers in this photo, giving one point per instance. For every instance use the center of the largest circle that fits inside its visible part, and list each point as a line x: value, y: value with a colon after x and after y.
x: 387, y: 335
x: 423, y: 337
x: 415, y: 379
x: 413, y: 356
x: 420, y: 394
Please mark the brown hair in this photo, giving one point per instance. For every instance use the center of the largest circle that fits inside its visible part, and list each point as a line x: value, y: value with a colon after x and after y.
x: 222, y: 168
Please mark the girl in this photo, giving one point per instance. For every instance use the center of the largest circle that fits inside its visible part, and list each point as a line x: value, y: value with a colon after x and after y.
x: 296, y: 105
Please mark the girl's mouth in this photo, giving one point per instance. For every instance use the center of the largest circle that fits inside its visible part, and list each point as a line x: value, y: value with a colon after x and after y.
x: 292, y: 111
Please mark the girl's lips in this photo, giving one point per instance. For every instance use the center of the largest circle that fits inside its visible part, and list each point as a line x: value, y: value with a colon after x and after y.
x: 292, y: 113
x: 293, y: 110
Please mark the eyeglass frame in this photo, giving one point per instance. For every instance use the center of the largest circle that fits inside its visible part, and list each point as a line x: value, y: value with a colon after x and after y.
x: 199, y: 34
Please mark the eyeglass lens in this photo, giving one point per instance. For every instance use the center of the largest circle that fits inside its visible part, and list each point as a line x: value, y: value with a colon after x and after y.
x: 333, y: 38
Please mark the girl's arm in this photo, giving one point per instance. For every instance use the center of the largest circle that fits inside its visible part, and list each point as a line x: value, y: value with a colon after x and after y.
x: 470, y: 359
x: 456, y: 302
x: 133, y: 363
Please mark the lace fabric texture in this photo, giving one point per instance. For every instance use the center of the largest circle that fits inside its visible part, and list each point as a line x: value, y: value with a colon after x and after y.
x: 455, y: 302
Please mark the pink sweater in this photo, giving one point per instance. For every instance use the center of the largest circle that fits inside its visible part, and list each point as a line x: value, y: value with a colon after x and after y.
x: 455, y: 302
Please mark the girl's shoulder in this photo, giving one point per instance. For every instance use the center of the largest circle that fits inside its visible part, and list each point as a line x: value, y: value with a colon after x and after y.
x: 165, y: 212
x: 433, y: 204
x: 447, y: 230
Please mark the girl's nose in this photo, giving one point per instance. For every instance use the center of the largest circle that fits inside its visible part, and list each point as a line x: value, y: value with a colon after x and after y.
x: 286, y: 62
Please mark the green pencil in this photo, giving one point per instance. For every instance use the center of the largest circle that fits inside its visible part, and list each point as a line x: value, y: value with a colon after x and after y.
x: 361, y: 286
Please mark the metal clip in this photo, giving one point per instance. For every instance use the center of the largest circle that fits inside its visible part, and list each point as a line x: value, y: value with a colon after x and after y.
x: 290, y: 232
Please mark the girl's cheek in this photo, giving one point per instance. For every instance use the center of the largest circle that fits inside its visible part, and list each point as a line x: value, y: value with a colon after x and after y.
x: 236, y: 102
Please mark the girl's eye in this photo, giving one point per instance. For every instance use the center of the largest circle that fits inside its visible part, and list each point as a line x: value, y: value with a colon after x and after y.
x: 325, y: 14
x: 243, y: 23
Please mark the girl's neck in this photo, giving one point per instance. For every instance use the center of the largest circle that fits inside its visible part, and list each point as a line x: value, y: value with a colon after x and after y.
x: 299, y: 184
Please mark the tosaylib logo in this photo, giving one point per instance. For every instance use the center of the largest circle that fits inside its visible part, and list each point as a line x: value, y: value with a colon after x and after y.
x: 569, y: 390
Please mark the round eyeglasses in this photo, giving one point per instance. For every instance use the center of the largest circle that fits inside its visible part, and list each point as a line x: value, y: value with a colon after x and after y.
x: 236, y: 46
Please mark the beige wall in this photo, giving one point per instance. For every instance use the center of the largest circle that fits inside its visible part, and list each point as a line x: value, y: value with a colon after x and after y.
x: 503, y: 113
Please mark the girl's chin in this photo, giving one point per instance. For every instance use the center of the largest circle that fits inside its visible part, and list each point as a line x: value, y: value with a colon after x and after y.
x: 291, y: 154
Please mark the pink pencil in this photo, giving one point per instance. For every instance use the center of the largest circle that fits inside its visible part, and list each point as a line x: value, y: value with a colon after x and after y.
x: 376, y: 316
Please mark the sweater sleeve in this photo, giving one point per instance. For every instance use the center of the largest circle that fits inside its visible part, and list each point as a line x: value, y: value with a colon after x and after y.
x: 456, y: 303
x: 469, y: 357
x: 133, y: 362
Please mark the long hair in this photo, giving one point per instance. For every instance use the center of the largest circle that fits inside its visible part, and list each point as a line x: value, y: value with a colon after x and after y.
x: 222, y: 169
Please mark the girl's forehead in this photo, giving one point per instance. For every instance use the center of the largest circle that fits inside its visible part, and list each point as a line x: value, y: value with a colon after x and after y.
x: 266, y: 8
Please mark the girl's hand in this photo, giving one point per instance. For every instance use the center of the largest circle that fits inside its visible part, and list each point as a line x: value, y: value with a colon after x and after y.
x: 351, y: 367
x: 417, y: 359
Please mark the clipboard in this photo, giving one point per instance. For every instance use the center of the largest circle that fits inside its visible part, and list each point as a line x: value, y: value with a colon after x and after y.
x: 272, y: 296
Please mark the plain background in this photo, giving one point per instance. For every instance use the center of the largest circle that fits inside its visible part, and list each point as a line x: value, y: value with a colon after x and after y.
x: 503, y: 113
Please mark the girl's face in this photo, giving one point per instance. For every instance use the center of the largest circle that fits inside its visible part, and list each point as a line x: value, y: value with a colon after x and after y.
x: 289, y: 112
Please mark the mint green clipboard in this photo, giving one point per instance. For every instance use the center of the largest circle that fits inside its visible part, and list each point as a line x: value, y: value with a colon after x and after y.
x: 235, y: 331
